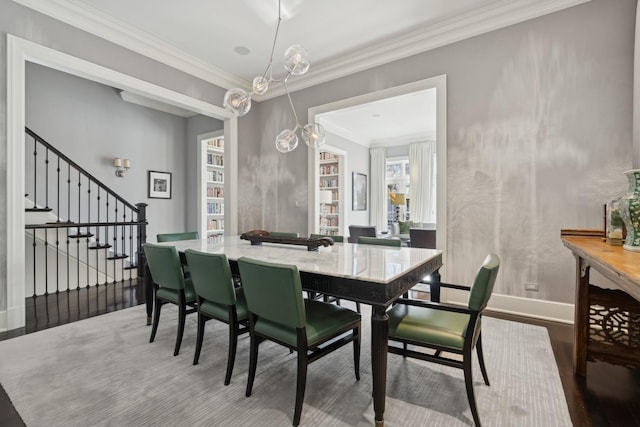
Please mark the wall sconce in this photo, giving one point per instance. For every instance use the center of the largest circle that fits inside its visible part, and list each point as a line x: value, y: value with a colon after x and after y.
x: 121, y: 165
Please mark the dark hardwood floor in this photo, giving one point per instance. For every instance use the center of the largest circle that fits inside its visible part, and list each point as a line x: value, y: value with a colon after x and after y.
x: 608, y: 397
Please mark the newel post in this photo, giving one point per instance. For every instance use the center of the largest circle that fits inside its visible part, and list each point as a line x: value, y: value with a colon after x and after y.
x: 143, y: 270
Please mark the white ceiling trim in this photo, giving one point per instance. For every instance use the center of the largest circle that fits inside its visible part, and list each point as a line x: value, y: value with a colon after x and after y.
x: 473, y: 23
x: 403, y: 140
x: 133, y: 98
x: 94, y: 21
x: 344, y: 133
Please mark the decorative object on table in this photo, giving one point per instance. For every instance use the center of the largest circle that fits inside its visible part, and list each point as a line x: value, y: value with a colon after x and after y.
x: 359, y: 191
x: 630, y: 211
x: 121, y: 165
x: 257, y: 237
x: 614, y: 225
x: 397, y: 199
x: 296, y: 63
x: 159, y: 184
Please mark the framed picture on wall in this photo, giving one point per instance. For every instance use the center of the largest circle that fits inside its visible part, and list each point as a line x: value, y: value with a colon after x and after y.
x: 359, y: 191
x: 159, y: 185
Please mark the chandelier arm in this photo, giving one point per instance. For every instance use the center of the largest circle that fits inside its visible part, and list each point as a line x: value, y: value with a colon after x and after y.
x: 286, y: 88
x: 273, y: 47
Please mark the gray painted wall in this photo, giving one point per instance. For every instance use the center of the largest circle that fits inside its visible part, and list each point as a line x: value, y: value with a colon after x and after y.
x: 539, y: 133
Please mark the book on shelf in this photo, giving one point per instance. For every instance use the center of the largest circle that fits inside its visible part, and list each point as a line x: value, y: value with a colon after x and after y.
x: 215, y: 159
x: 324, y: 155
x: 216, y: 143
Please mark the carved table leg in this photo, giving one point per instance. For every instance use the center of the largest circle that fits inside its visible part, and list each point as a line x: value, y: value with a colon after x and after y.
x: 581, y: 318
x: 379, y: 343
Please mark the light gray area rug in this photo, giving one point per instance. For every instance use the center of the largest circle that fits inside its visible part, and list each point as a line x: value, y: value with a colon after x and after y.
x: 103, y: 372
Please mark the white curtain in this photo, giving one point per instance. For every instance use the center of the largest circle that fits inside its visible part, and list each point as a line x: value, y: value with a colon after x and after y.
x: 636, y: 94
x: 378, y: 171
x: 422, y: 181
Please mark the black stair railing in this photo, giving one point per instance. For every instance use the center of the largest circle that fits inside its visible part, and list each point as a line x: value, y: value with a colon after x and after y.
x: 95, y: 241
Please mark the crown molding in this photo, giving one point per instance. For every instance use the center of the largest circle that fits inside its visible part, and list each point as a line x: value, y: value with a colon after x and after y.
x: 344, y: 133
x: 156, y: 105
x: 473, y: 23
x: 94, y: 21
x: 404, y: 140
x: 479, y: 21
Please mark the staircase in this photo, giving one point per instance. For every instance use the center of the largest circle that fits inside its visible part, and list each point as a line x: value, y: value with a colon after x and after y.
x: 79, y: 234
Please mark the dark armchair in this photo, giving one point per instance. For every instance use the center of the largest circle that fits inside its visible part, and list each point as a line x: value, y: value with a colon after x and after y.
x: 356, y: 231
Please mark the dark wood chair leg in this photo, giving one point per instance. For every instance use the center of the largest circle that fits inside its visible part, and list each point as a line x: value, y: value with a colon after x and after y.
x: 253, y: 361
x: 468, y: 382
x: 199, y: 338
x: 481, y: 359
x: 301, y: 384
x: 233, y: 344
x: 356, y: 352
x: 182, y: 315
x: 156, y: 319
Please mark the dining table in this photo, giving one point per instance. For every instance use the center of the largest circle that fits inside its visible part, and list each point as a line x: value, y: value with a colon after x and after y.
x: 368, y: 274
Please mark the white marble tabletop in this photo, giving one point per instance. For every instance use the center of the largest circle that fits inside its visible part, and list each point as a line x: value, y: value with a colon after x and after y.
x: 372, y: 263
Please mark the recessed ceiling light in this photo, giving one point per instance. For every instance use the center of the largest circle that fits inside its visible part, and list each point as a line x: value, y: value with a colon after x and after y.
x: 241, y: 50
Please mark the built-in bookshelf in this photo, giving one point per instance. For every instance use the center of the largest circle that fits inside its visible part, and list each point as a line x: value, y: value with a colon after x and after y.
x: 329, y: 193
x: 214, y: 175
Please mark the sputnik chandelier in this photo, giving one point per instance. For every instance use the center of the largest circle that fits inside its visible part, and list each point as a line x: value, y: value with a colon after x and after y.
x: 296, y: 63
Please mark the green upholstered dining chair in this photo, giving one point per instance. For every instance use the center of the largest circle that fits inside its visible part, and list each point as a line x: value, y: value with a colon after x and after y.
x: 174, y: 237
x: 278, y: 312
x: 447, y: 328
x: 218, y: 299
x: 283, y: 234
x: 380, y: 241
x: 337, y: 239
x: 170, y: 286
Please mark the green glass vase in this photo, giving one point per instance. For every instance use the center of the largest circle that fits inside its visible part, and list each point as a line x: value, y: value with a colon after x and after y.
x: 630, y: 211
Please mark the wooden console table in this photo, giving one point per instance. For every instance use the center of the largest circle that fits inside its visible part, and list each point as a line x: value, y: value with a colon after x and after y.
x: 607, y: 322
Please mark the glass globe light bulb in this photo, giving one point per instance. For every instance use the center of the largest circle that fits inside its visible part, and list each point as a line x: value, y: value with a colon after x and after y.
x: 297, y: 60
x: 286, y: 141
x: 237, y: 101
x: 260, y: 85
x: 313, y: 135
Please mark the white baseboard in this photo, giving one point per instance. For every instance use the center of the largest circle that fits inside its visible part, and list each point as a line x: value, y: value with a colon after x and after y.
x: 3, y: 321
x: 528, y: 307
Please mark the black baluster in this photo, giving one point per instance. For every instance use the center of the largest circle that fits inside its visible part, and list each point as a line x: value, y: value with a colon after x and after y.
x: 46, y: 180
x: 35, y: 173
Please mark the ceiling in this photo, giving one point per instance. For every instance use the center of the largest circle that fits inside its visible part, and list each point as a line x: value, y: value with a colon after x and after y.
x: 203, y: 37
x: 228, y: 42
x: 391, y: 121
x: 211, y: 29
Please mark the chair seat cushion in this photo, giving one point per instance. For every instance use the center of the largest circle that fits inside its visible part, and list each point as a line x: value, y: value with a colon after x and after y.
x: 323, y: 321
x: 221, y: 312
x: 428, y: 326
x: 172, y: 294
